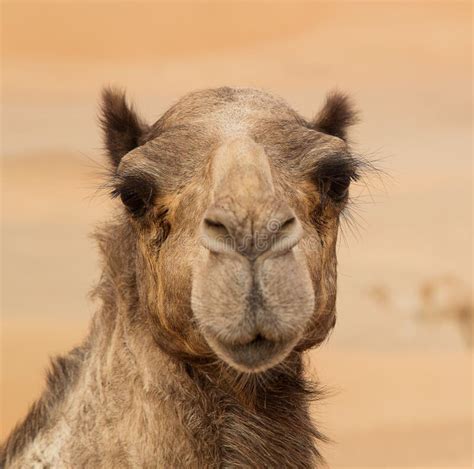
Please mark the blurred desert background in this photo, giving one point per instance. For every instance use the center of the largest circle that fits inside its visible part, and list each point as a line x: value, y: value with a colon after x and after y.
x: 399, y: 363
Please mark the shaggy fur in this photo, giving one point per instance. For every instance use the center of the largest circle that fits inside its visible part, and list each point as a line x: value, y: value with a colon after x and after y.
x: 336, y: 116
x: 123, y: 129
x: 157, y: 383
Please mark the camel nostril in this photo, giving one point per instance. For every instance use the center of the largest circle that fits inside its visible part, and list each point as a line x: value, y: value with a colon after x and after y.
x: 287, y: 235
x: 215, y: 235
x: 213, y: 224
x: 215, y: 227
x: 288, y: 223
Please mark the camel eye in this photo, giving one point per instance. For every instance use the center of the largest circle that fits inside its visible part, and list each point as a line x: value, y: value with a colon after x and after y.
x: 135, y: 195
x: 134, y: 202
x: 338, y: 188
x: 333, y: 177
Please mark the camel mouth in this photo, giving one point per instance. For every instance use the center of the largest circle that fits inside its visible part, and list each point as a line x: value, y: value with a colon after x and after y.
x: 254, y: 356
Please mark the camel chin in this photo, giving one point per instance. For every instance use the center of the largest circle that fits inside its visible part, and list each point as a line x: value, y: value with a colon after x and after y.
x: 255, y: 356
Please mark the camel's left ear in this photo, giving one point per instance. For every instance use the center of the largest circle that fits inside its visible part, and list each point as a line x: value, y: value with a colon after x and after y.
x: 123, y: 129
x: 337, y: 114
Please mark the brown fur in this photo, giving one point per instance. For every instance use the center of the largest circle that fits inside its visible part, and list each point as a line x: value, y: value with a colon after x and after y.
x: 150, y: 387
x: 336, y: 116
x: 123, y: 128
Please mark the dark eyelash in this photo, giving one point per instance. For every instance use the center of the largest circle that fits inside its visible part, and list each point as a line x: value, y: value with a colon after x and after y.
x: 334, y: 175
x: 136, y: 194
x: 338, y: 188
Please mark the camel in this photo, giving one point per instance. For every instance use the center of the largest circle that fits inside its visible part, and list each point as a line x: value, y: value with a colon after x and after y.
x: 219, y: 272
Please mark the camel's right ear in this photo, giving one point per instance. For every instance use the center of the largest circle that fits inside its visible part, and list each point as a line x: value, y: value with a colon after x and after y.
x: 123, y: 129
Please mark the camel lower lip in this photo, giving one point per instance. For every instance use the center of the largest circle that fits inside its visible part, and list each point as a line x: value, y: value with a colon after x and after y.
x: 253, y: 356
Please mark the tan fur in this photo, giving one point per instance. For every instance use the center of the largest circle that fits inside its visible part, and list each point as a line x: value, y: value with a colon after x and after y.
x: 218, y: 276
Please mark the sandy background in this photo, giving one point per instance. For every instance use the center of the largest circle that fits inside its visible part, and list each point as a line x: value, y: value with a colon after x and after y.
x: 398, y: 362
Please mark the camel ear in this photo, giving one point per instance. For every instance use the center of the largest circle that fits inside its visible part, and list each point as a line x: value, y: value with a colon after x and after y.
x: 123, y: 129
x: 336, y: 116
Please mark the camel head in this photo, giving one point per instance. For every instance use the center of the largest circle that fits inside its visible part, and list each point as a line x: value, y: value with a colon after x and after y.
x: 233, y: 203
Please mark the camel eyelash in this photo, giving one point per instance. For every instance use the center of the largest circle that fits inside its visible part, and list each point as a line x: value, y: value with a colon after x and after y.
x: 334, y: 175
x: 136, y: 193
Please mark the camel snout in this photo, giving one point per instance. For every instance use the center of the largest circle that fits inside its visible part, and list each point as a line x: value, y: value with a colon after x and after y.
x: 251, y: 235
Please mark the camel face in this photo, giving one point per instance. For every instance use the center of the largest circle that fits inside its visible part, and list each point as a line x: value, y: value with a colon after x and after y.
x: 235, y: 201
x: 252, y: 294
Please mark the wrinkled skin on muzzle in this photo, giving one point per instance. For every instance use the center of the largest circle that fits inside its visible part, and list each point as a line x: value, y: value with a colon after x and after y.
x: 252, y: 293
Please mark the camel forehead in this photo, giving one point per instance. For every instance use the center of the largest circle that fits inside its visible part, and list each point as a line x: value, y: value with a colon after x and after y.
x: 184, y: 141
x: 229, y: 111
